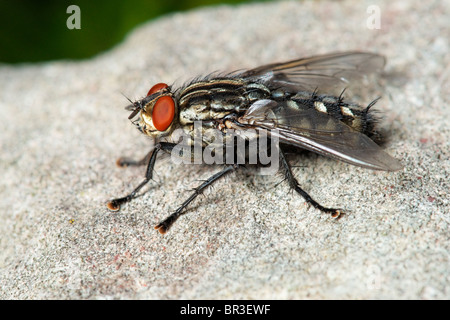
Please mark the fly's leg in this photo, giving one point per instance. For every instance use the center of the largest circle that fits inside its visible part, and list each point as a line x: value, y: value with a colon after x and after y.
x: 335, y: 213
x: 127, y: 162
x: 163, y: 226
x: 150, y: 159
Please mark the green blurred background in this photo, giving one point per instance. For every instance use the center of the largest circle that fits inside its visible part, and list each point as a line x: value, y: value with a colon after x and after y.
x: 32, y: 30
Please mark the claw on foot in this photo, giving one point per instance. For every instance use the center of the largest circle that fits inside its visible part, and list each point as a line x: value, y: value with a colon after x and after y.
x: 113, y: 206
x: 161, y: 228
x: 121, y: 163
x: 337, y: 214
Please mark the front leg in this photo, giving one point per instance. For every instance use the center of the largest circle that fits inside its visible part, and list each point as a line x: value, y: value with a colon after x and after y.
x: 114, y: 205
x: 127, y: 162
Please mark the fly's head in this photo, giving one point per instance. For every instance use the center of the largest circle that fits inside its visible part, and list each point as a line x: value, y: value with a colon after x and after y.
x: 157, y: 111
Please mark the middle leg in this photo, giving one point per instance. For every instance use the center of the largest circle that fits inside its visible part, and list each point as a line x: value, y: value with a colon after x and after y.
x: 163, y: 226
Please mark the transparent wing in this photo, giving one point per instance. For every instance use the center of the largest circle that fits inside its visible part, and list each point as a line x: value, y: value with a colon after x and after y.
x: 315, y: 131
x: 326, y: 73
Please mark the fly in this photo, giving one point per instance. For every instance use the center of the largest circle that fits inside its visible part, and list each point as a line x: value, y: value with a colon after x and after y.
x: 295, y: 103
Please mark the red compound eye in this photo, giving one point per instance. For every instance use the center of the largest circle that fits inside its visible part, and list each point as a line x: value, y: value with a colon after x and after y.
x: 163, y: 113
x: 156, y: 88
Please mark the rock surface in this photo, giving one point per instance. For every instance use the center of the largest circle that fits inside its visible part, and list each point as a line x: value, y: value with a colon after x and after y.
x: 63, y: 125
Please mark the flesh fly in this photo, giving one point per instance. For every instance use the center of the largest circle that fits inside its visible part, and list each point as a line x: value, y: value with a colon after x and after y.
x: 294, y: 102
